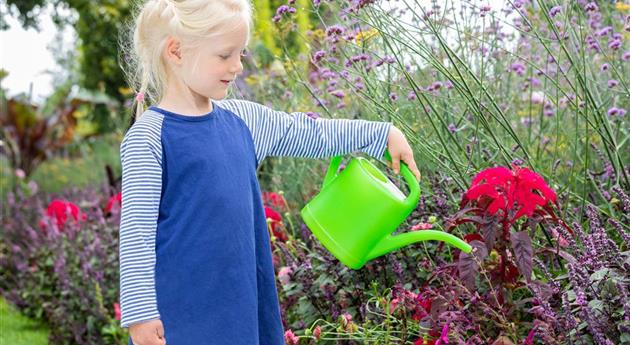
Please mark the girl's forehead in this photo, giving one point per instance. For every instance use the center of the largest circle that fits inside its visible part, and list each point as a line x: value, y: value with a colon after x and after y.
x: 236, y: 38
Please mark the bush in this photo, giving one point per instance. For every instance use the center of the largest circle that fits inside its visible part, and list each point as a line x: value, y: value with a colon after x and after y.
x: 63, y: 270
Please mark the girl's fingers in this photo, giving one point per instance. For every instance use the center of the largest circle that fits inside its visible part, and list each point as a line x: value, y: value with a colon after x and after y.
x: 396, y: 163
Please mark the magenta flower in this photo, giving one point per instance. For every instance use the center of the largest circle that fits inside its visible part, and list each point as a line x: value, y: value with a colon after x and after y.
x: 612, y: 83
x: 604, y: 67
x: 444, y: 336
x: 411, y: 96
x: 626, y: 55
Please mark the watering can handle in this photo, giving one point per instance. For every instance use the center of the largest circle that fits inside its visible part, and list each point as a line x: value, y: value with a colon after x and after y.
x: 414, y: 186
x: 331, y: 173
x: 412, y: 182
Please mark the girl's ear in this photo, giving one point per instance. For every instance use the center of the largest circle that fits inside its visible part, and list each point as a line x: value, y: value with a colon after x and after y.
x: 172, y: 50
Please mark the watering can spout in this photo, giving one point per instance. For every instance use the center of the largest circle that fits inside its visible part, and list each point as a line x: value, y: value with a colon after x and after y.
x: 391, y: 243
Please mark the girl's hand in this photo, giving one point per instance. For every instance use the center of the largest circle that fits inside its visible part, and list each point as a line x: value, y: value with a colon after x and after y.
x: 399, y: 149
x: 147, y: 333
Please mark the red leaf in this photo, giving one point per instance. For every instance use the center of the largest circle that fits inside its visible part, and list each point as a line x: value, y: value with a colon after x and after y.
x: 523, y: 252
x: 467, y: 264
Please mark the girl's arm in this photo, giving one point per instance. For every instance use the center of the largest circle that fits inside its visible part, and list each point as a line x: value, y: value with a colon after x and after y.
x: 276, y: 133
x: 141, y: 158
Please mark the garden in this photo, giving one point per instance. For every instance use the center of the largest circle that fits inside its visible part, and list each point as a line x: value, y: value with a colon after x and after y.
x: 517, y: 115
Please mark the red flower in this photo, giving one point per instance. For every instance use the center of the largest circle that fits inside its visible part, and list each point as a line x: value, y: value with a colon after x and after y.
x: 274, y: 199
x: 117, y: 311
x: 115, y: 200
x: 275, y: 221
x: 518, y: 191
x: 58, y: 210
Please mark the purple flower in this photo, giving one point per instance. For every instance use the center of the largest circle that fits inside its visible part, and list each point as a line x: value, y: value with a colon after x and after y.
x: 435, y: 86
x: 518, y: 67
x: 484, y: 9
x: 359, y: 85
x: 626, y: 55
x: 393, y: 96
x: 338, y: 93
x: 604, y: 67
x: 318, y: 55
x: 411, y: 96
x: 334, y: 30
x: 612, y: 83
x: 614, y: 111
x: 554, y: 11
x: 591, y: 7
x: 614, y: 44
x: 534, y: 81
x: 452, y: 128
x: 605, y: 31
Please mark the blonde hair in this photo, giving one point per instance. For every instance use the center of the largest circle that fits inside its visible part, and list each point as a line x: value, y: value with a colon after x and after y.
x: 191, y: 21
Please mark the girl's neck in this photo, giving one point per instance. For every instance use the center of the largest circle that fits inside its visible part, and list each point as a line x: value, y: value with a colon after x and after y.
x: 182, y: 100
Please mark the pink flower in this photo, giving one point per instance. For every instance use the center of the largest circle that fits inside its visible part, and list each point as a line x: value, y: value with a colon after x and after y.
x: 561, y: 240
x: 444, y: 336
x: 284, y: 275
x: 117, y: 311
x: 530, y: 337
x: 422, y: 226
x: 19, y: 173
x: 317, y: 332
x: 290, y: 338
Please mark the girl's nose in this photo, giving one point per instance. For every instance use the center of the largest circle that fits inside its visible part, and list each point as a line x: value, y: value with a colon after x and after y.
x: 238, y: 68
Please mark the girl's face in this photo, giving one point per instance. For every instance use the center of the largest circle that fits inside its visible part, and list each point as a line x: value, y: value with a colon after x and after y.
x: 211, y: 68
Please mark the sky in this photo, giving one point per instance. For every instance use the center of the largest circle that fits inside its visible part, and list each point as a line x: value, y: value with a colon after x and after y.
x: 25, y: 55
x: 27, y: 58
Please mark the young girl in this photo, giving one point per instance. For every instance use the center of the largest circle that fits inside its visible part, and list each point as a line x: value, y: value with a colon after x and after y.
x: 195, y: 256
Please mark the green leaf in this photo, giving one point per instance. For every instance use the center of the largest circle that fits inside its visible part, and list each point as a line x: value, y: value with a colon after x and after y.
x: 599, y: 274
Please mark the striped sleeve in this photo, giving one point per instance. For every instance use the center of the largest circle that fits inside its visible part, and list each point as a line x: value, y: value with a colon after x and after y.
x: 141, y: 158
x: 276, y: 133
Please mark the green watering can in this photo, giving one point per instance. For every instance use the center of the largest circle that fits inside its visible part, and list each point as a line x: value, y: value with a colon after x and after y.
x: 358, y: 209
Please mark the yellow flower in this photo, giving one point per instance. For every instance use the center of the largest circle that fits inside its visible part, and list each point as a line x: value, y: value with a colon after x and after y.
x: 319, y: 34
x: 366, y: 35
x: 620, y: 6
x: 252, y: 80
x: 125, y: 91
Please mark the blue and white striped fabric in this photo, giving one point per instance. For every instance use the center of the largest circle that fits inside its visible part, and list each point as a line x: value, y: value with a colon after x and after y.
x: 170, y: 165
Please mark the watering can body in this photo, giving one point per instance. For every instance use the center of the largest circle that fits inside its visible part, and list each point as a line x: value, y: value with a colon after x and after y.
x: 359, y: 208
